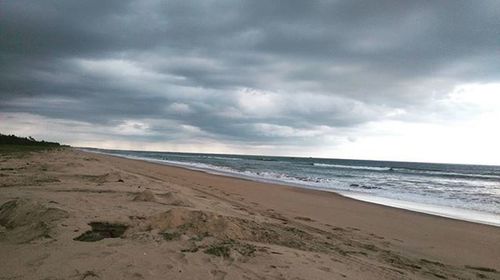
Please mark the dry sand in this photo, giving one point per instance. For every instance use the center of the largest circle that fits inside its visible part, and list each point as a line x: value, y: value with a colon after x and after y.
x: 69, y: 214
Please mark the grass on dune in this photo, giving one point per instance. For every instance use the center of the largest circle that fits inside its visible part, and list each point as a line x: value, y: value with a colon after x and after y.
x: 7, y: 149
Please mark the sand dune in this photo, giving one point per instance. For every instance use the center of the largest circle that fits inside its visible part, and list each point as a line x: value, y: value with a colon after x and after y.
x: 26, y: 220
x: 68, y: 214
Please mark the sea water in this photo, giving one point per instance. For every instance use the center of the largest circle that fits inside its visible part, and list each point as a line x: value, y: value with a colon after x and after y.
x: 467, y: 192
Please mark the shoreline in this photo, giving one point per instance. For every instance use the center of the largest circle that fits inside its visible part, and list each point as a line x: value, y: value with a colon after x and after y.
x: 108, y: 217
x: 460, y: 214
x: 369, y: 216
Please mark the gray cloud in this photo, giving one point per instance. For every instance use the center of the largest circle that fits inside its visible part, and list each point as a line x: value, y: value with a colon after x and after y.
x: 256, y: 72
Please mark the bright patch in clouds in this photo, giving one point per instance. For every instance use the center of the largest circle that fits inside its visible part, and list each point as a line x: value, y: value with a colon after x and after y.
x: 258, y: 103
x: 131, y: 127
x: 484, y: 96
x: 472, y: 139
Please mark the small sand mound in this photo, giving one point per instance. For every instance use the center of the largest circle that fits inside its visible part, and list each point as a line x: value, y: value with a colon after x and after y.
x: 110, y: 177
x: 196, y: 223
x: 168, y: 198
x: 146, y: 195
x: 174, y: 199
x: 104, y: 178
x: 26, y: 220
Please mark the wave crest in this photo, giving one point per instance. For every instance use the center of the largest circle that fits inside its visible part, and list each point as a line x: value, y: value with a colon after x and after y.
x: 373, y: 168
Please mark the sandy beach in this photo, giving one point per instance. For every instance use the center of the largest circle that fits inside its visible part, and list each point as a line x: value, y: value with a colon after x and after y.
x: 69, y: 214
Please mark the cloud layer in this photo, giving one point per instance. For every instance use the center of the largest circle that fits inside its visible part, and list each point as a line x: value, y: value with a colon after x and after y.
x: 241, y: 74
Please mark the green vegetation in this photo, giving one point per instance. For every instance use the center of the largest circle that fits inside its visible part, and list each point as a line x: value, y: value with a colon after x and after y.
x: 220, y: 250
x: 13, y: 144
x: 24, y: 141
x: 170, y: 235
x: 223, y: 249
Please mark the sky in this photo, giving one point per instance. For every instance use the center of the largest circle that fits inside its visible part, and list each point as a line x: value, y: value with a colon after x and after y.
x: 387, y: 80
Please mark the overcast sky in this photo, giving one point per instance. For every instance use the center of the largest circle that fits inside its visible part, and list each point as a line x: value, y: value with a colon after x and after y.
x: 395, y: 80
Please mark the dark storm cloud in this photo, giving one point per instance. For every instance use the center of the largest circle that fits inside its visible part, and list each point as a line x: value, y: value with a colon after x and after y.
x: 254, y: 71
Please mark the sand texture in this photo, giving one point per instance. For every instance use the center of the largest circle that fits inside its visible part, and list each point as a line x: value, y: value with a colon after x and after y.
x: 69, y: 214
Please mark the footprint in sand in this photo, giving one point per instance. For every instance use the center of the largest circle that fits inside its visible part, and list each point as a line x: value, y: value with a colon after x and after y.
x: 306, y: 219
x: 218, y: 274
x: 324, y: 268
x: 89, y: 274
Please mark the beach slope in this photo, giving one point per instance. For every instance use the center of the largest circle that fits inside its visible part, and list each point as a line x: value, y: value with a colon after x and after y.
x: 69, y: 214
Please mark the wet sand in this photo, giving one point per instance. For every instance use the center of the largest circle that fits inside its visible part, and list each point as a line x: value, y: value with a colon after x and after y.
x: 69, y: 214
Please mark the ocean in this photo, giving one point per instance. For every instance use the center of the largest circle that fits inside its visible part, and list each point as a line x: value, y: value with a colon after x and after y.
x: 466, y: 192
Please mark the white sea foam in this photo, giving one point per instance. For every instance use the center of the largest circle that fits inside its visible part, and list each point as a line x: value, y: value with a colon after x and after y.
x: 449, y: 174
x: 443, y: 211
x: 352, y: 167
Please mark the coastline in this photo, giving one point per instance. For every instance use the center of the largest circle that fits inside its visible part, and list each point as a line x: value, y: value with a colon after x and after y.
x: 461, y: 214
x: 293, y: 232
x: 400, y: 214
